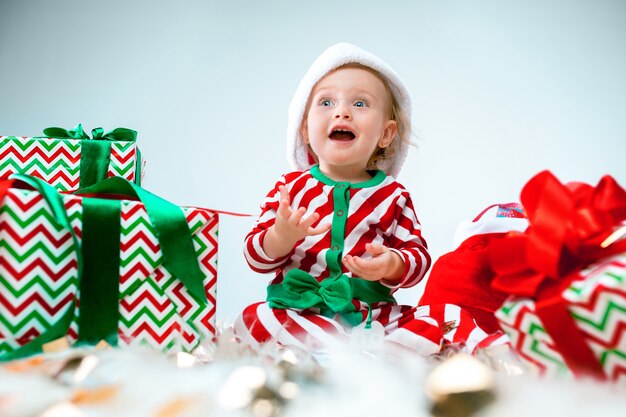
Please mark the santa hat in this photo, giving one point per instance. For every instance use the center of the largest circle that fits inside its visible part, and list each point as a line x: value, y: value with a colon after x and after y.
x: 497, y: 218
x: 334, y: 57
x: 463, y: 276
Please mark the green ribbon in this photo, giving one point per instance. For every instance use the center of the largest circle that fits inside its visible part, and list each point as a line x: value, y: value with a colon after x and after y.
x: 172, y: 231
x: 118, y: 134
x: 59, y: 328
x: 99, y: 311
x: 99, y: 288
x: 332, y: 295
x: 95, y: 152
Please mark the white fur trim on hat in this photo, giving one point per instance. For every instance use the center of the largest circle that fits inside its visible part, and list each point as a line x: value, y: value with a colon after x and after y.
x: 497, y: 218
x: 334, y: 57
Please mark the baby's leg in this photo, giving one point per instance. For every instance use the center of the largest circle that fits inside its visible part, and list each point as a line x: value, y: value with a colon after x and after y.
x: 259, y: 324
x: 409, y: 327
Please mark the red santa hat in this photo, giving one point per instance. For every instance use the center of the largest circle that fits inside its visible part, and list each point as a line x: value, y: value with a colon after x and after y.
x: 463, y: 276
x: 496, y: 218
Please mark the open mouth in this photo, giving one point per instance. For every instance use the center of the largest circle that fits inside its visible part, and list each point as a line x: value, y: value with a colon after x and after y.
x: 342, y: 135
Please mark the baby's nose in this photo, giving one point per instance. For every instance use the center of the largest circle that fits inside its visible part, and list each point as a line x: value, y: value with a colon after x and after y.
x: 343, y: 112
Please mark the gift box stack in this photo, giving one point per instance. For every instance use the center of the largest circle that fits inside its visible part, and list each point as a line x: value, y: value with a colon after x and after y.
x: 566, y: 279
x: 87, y: 255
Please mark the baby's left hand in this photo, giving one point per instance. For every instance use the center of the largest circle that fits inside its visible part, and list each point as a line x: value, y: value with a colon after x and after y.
x: 385, y: 264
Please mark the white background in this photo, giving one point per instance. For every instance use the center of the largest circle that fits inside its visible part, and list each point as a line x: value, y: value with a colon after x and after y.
x: 501, y: 91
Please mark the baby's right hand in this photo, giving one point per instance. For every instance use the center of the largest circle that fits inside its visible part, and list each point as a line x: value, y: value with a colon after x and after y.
x: 290, y: 224
x: 289, y: 227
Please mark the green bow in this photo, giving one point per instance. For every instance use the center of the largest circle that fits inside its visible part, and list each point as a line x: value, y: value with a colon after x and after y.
x: 301, y: 290
x: 332, y: 295
x: 118, y: 134
x: 95, y: 151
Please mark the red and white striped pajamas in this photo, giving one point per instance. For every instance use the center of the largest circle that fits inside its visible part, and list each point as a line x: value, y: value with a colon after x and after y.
x: 406, y: 326
x: 377, y: 211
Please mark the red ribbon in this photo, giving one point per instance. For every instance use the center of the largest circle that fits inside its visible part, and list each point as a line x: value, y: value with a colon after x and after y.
x: 568, y: 224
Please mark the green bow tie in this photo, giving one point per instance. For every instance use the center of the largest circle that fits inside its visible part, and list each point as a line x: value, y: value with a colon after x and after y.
x: 332, y: 295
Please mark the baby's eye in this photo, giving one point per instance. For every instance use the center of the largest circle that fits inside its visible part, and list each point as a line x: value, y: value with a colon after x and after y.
x: 326, y: 103
x: 360, y: 103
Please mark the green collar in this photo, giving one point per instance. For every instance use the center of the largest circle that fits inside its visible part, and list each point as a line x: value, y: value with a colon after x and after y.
x: 378, y: 178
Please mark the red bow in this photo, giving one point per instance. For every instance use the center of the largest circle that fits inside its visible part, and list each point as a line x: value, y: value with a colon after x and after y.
x: 568, y: 224
x: 571, y: 226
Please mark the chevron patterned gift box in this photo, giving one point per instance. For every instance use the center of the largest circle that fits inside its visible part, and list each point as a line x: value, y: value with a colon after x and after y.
x: 41, y: 287
x: 597, y: 303
x: 566, y: 279
x: 72, y: 159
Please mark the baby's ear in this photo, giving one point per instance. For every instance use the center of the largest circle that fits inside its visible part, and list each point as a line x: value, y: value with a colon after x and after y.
x: 391, y: 128
x: 304, y: 132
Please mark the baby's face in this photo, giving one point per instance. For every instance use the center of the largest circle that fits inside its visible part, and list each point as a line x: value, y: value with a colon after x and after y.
x: 348, y: 119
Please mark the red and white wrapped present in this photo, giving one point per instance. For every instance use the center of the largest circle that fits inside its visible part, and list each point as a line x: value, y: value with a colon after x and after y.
x: 72, y: 159
x: 65, y: 269
x: 566, y: 277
